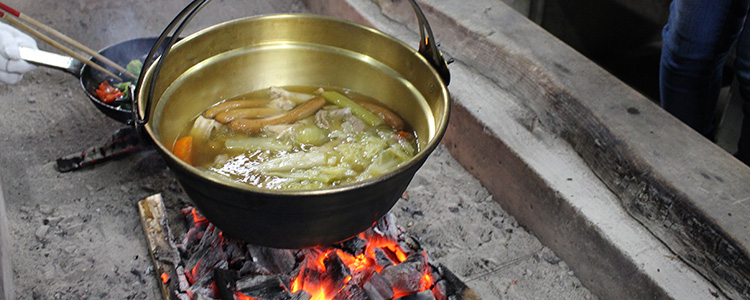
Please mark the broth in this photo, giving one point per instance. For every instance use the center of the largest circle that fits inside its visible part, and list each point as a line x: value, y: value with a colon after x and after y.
x: 297, y: 137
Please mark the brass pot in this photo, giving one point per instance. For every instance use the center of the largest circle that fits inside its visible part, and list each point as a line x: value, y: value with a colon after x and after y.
x: 254, y: 53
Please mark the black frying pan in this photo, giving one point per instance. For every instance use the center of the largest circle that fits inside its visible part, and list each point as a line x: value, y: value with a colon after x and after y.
x: 121, y: 53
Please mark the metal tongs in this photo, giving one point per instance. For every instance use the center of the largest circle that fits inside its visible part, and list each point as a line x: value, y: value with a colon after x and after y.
x: 428, y: 47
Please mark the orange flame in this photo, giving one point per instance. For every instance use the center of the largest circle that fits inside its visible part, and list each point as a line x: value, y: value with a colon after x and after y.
x: 241, y: 296
x: 318, y: 293
x: 361, y: 266
x: 360, y: 263
x: 197, y: 217
x: 357, y: 263
x: 385, y: 244
x: 319, y: 290
x: 164, y: 277
x: 297, y: 283
x: 426, y: 281
x: 192, y: 275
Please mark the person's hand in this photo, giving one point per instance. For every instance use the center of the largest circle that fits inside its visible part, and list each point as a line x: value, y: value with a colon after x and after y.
x: 12, y: 67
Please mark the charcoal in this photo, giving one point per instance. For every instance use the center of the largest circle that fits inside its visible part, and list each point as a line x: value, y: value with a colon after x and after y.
x: 384, y: 258
x: 211, y: 237
x: 351, y: 292
x: 215, y: 262
x: 183, y: 296
x: 354, y: 246
x: 183, y: 283
x: 190, y: 219
x: 440, y: 290
x: 224, y: 280
x: 336, y: 273
x: 304, y: 253
x: 192, y: 237
x: 423, y: 295
x: 301, y: 295
x: 236, y: 252
x: 409, y: 244
x: 276, y: 261
x: 251, y: 268
x: 205, y: 287
x: 201, y: 284
x: 377, y: 288
x: 203, y: 262
x: 195, y: 232
x: 202, y: 297
x: 406, y: 277
x: 361, y: 276
x: 311, y: 277
x: 263, y: 287
x: 386, y: 227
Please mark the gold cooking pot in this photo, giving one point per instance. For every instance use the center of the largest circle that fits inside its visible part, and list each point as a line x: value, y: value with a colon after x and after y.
x: 248, y: 54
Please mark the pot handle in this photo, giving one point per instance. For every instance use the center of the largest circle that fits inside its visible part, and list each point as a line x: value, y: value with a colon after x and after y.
x: 428, y: 47
x: 181, y: 20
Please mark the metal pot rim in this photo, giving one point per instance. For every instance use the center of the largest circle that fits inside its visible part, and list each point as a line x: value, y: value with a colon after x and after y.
x: 417, y: 159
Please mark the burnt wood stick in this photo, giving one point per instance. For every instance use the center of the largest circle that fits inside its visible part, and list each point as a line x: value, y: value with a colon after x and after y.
x: 454, y: 285
x: 163, y: 252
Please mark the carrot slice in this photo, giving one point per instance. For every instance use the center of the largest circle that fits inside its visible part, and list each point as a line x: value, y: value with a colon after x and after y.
x: 183, y: 149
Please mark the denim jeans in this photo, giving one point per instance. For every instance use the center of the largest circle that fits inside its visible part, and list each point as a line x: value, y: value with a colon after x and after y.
x: 697, y: 41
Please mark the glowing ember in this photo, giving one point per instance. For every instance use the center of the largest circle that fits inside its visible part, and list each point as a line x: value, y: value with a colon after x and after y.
x: 197, y: 217
x: 426, y: 282
x: 164, y: 277
x: 372, y: 265
x: 241, y: 296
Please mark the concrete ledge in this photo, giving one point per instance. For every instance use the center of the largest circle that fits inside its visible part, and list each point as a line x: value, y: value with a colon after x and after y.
x: 599, y: 173
x: 685, y: 190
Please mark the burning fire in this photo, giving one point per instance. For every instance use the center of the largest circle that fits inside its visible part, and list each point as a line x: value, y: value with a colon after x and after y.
x: 326, y: 271
x: 198, y: 219
x: 321, y: 289
x: 360, y: 266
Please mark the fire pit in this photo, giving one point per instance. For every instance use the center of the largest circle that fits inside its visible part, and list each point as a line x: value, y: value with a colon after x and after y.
x: 78, y: 235
x: 383, y: 262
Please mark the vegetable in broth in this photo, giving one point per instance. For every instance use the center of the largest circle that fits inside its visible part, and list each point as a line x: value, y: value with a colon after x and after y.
x: 297, y: 138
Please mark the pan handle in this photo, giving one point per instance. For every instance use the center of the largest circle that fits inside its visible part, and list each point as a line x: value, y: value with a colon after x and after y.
x: 428, y: 47
x: 180, y: 21
x: 51, y: 60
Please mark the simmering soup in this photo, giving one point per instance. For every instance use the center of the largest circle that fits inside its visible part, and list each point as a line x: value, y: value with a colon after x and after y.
x: 297, y: 138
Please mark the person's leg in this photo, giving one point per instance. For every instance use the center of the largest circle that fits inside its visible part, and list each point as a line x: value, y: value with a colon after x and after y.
x: 697, y: 40
x: 742, y: 68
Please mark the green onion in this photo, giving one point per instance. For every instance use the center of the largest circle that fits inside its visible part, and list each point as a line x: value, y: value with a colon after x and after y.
x: 360, y: 112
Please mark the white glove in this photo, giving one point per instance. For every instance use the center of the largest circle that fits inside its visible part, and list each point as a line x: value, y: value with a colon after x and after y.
x: 12, y: 67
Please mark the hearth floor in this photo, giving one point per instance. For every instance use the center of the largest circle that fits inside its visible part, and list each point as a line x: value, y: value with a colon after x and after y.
x: 78, y: 235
